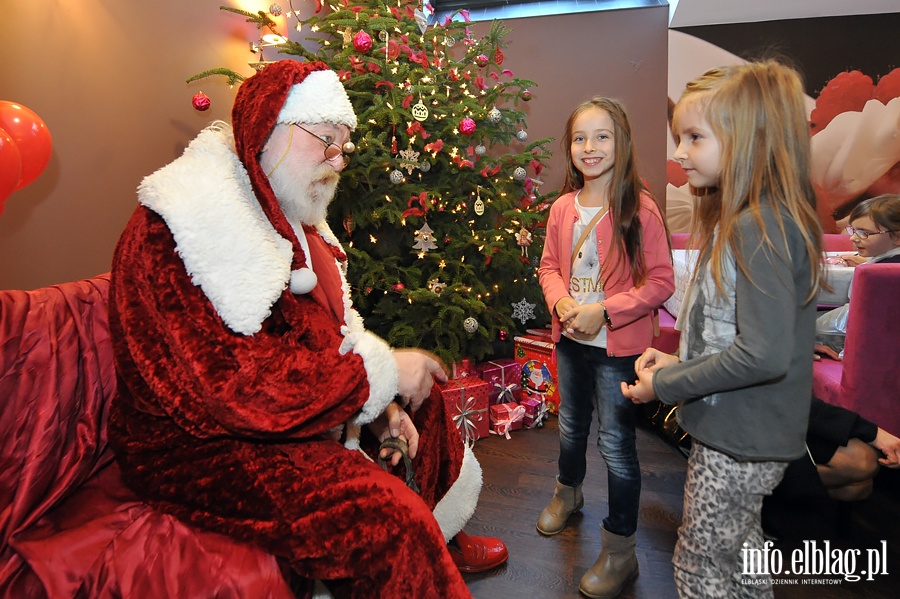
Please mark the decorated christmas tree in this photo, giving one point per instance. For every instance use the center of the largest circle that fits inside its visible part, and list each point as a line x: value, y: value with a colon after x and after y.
x: 439, y: 207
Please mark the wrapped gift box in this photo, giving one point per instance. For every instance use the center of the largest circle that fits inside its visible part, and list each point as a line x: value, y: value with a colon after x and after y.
x: 535, y: 412
x: 538, y: 377
x: 467, y: 401
x: 503, y: 377
x: 506, y: 417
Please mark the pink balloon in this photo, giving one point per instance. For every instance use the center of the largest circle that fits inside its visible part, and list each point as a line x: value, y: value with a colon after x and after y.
x: 10, y: 166
x: 32, y: 138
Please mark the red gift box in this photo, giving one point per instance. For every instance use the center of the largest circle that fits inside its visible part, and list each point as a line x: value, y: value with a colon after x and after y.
x: 538, y: 377
x: 467, y: 401
x: 503, y: 378
x: 506, y: 417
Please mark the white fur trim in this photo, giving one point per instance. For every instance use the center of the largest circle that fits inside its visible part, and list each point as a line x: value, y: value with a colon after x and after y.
x: 229, y: 247
x: 458, y: 504
x: 381, y: 371
x: 303, y: 280
x: 319, y: 98
x: 320, y: 591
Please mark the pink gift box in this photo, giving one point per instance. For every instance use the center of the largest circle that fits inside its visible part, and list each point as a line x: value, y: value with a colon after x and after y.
x: 467, y: 401
x: 506, y: 417
x: 503, y: 377
x: 535, y: 412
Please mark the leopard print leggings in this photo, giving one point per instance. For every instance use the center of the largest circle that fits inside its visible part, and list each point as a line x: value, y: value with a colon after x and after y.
x: 722, y: 505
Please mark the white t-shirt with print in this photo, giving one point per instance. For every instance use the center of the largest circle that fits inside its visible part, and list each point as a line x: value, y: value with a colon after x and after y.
x: 585, y: 284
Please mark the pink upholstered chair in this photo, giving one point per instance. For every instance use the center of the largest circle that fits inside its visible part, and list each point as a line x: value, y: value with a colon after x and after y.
x: 68, y: 525
x: 868, y: 379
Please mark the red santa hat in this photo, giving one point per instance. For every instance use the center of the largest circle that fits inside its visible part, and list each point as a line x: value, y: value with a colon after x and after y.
x: 285, y: 92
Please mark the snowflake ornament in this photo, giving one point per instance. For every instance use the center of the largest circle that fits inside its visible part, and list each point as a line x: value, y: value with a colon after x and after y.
x: 409, y: 159
x: 523, y: 311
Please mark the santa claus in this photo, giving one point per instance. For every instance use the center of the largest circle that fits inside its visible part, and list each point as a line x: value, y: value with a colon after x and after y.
x: 252, y: 400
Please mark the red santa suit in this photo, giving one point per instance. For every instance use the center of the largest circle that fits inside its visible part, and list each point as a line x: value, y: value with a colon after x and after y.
x: 241, y: 362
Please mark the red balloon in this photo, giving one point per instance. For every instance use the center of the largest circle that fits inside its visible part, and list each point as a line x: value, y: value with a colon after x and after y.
x: 10, y: 166
x: 32, y: 138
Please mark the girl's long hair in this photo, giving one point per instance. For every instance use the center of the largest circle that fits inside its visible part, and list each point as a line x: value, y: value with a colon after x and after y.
x: 757, y: 113
x: 625, y: 190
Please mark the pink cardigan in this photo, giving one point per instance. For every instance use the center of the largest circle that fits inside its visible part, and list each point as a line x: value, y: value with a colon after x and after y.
x: 630, y: 308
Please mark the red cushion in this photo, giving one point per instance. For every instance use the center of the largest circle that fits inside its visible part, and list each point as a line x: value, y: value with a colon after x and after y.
x: 67, y: 521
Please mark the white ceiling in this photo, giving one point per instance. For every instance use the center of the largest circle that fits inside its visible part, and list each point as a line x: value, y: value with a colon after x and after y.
x: 687, y: 13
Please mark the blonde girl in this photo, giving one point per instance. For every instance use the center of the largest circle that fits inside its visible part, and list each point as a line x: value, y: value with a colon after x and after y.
x: 743, y: 377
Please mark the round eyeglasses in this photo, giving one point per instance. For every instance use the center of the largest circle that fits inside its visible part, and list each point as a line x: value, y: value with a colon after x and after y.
x: 332, y: 150
x: 863, y: 234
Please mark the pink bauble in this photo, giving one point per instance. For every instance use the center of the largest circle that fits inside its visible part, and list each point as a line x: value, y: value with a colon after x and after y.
x: 467, y: 126
x: 201, y: 102
x: 362, y: 42
x: 481, y: 60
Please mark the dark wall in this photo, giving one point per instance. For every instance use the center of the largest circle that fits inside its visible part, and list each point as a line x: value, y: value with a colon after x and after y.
x: 820, y: 48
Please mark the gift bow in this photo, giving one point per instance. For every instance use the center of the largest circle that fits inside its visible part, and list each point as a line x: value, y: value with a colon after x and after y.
x: 466, y: 417
x: 503, y: 423
x: 541, y: 415
x: 505, y: 391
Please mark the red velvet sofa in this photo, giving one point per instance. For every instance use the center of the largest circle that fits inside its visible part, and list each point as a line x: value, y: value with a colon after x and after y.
x: 69, y: 526
x: 867, y: 381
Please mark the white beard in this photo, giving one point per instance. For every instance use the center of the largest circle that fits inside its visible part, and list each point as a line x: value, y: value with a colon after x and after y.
x: 304, y: 197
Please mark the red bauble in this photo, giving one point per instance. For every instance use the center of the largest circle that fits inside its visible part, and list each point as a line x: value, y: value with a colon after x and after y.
x: 362, y: 42
x: 481, y: 60
x: 498, y: 56
x: 526, y: 95
x: 467, y: 126
x: 504, y: 335
x: 201, y: 102
x: 398, y: 287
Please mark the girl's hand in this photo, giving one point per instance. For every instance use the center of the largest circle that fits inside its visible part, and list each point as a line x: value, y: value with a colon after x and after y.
x: 889, y: 445
x: 563, y: 306
x: 642, y: 389
x: 652, y: 359
x: 395, y: 422
x: 583, y: 322
x: 851, y: 260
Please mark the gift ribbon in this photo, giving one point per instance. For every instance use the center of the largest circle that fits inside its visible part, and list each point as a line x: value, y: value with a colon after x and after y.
x: 503, y: 423
x: 542, y: 414
x: 505, y: 391
x: 466, y: 418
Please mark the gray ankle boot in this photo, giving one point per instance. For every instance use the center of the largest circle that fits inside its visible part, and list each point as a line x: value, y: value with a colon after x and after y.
x: 616, y: 565
x: 565, y: 502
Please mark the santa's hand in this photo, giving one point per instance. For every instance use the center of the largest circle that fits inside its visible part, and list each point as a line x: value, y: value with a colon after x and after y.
x: 394, y: 422
x: 642, y: 389
x: 652, y: 359
x: 418, y: 371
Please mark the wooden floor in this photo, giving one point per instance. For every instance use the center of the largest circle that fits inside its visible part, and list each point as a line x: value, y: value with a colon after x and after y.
x: 518, y: 481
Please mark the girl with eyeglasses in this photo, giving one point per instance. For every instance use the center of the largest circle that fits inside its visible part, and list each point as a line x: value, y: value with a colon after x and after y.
x: 875, y: 231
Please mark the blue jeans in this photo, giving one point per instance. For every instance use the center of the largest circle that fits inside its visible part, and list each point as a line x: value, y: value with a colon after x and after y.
x: 588, y: 379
